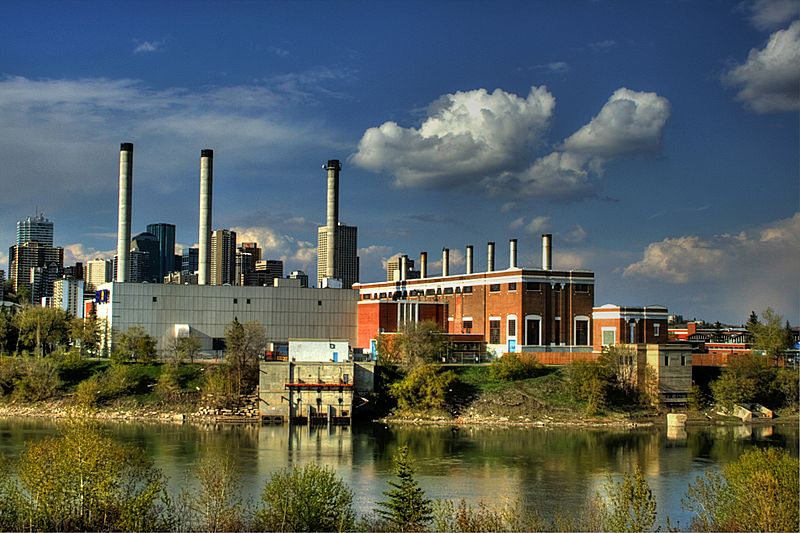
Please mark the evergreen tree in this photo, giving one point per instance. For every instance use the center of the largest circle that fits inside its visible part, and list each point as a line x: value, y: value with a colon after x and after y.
x: 407, y: 509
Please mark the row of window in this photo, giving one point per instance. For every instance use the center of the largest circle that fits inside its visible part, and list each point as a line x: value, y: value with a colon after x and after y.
x: 530, y: 286
x: 236, y: 300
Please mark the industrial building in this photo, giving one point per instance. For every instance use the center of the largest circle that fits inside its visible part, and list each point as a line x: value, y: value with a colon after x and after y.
x: 337, y: 249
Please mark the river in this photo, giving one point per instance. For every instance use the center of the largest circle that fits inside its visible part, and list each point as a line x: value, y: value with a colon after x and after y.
x: 553, y: 469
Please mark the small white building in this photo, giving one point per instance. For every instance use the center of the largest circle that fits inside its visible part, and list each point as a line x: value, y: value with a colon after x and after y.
x: 68, y: 296
x: 319, y: 350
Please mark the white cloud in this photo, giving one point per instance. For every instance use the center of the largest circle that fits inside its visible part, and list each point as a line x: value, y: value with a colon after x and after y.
x: 517, y: 223
x: 556, y: 67
x: 771, y: 14
x: 78, y: 252
x: 537, y: 225
x: 466, y: 136
x: 146, y: 47
x: 750, y: 270
x: 508, y: 206
x: 769, y: 80
x: 280, y: 52
x: 575, y: 235
x: 603, y: 45
x: 296, y: 254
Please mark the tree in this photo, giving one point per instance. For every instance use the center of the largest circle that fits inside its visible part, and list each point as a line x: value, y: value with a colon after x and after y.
x: 621, y: 367
x: 588, y: 381
x: 416, y: 343
x: 85, y: 332
x: 758, y: 492
x: 746, y: 379
x: 628, y: 505
x: 308, y: 498
x: 42, y: 329
x: 512, y: 367
x: 85, y: 481
x: 8, y: 330
x: 217, y: 505
x: 244, y: 344
x: 425, y: 387
x: 769, y: 335
x: 406, y: 509
x: 183, y: 348
x: 135, y: 344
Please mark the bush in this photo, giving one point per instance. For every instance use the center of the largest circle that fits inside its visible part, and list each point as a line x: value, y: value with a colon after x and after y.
x: 748, y: 379
x: 39, y: 380
x: 308, y: 498
x: 119, y: 380
x: 512, y: 367
x: 588, y: 382
x: 217, y: 505
x: 425, y: 387
x: 758, y: 492
x: 628, y: 505
x: 10, y: 372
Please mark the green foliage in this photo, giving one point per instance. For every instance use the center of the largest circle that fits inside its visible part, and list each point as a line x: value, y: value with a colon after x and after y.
x: 758, y: 492
x: 38, y: 381
x: 628, y: 505
x: 168, y: 386
x: 415, y: 344
x: 85, y: 481
x: 425, y: 387
x: 406, y: 508
x: 751, y: 378
x: 510, y: 516
x: 699, y: 398
x: 10, y: 372
x: 769, y: 335
x: 244, y: 345
x: 118, y: 381
x: 41, y: 329
x: 73, y: 368
x: 85, y: 333
x: 308, y: 498
x: 183, y: 348
x: 135, y: 344
x: 8, y: 331
x: 512, y: 367
x: 217, y: 505
x: 588, y: 381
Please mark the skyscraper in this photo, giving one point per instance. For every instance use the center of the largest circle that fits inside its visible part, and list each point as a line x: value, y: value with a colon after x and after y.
x: 223, y: 257
x: 165, y: 233
x: 346, y: 256
x: 36, y: 228
x: 148, y: 271
x: 98, y: 271
x: 189, y: 260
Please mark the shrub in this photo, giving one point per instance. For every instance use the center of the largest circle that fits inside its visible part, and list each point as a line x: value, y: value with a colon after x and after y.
x: 425, y: 387
x: 39, y: 380
x: 746, y: 379
x: 10, y: 372
x: 758, y: 492
x: 168, y: 386
x: 588, y: 382
x: 512, y: 367
x: 217, y: 504
x: 119, y: 380
x: 628, y: 505
x: 308, y: 498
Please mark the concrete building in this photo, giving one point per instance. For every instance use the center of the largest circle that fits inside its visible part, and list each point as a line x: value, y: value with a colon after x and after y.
x: 68, y: 296
x: 163, y: 310
x: 247, y: 255
x: 346, y: 266
x: 394, y: 267
x: 25, y: 257
x: 189, y: 260
x: 165, y: 234
x: 98, y: 272
x: 41, y: 281
x: 516, y: 309
x: 300, y: 275
x: 35, y: 229
x: 223, y: 257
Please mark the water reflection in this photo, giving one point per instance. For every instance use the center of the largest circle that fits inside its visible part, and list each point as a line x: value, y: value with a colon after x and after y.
x: 552, y: 469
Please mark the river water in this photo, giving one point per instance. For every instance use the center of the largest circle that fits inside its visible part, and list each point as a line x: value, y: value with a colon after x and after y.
x: 555, y: 470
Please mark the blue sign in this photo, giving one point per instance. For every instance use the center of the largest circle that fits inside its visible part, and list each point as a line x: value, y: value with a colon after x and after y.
x: 512, y: 345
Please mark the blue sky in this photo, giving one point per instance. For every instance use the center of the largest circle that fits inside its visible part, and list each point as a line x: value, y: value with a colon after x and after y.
x: 657, y: 141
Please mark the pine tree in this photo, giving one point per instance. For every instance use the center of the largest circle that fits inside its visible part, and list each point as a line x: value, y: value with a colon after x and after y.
x: 407, y: 509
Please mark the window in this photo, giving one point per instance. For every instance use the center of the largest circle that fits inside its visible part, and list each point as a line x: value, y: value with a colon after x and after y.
x: 557, y: 331
x: 582, y: 332
x: 467, y: 290
x: 494, y: 287
x: 458, y: 290
x: 448, y: 290
x: 512, y: 327
x: 218, y: 343
x: 235, y: 300
x: 683, y: 360
x: 557, y: 287
x: 494, y: 331
x: 467, y: 325
x: 248, y: 301
x: 533, y: 286
x: 666, y: 360
x: 512, y: 286
x: 609, y: 336
x: 581, y: 287
x: 532, y: 326
x: 319, y: 302
x: 656, y: 329
x: 366, y: 297
x: 430, y: 292
x: 155, y: 299
x: 382, y: 295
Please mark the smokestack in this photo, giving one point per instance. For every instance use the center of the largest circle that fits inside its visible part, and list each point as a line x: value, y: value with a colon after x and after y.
x: 403, y: 267
x: 469, y: 259
x: 547, y: 253
x: 490, y: 257
x: 512, y: 253
x: 333, y: 167
x: 124, y: 206
x: 423, y: 265
x: 206, y: 191
x: 445, y: 262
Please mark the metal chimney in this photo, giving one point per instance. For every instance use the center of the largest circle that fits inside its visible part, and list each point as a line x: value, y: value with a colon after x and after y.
x: 423, y: 265
x: 547, y: 253
x: 469, y: 259
x: 445, y: 262
x: 512, y: 253
x: 490, y: 257
x: 333, y: 167
x: 403, y: 267
x: 204, y: 237
x: 124, y: 207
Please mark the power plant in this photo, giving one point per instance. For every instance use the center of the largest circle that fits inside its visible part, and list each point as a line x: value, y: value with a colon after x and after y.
x: 124, y: 205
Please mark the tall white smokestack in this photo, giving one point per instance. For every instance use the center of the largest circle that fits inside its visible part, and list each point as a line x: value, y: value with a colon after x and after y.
x: 333, y: 167
x: 490, y: 257
x: 124, y: 206
x: 423, y: 265
x: 206, y: 192
x: 547, y: 253
x: 512, y: 253
x: 403, y: 267
x: 469, y: 259
x: 445, y: 262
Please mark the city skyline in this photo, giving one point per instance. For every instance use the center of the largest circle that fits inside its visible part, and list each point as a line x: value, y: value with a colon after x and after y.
x: 665, y: 161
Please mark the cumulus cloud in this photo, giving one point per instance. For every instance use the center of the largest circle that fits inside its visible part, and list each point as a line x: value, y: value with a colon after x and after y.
x: 771, y: 14
x: 296, y: 254
x: 145, y: 47
x: 466, y: 136
x: 759, y: 268
x: 575, y: 235
x: 769, y: 81
x: 76, y: 252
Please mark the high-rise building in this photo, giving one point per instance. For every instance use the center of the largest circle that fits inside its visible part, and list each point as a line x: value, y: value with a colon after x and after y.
x: 223, y: 257
x: 247, y: 254
x: 393, y: 268
x: 264, y: 273
x: 302, y: 276
x: 41, y: 281
x: 140, y: 264
x: 148, y: 243
x: 189, y: 260
x: 98, y: 271
x: 165, y: 233
x: 74, y: 272
x: 346, y: 255
x: 68, y: 295
x: 36, y: 228
x: 34, y: 254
